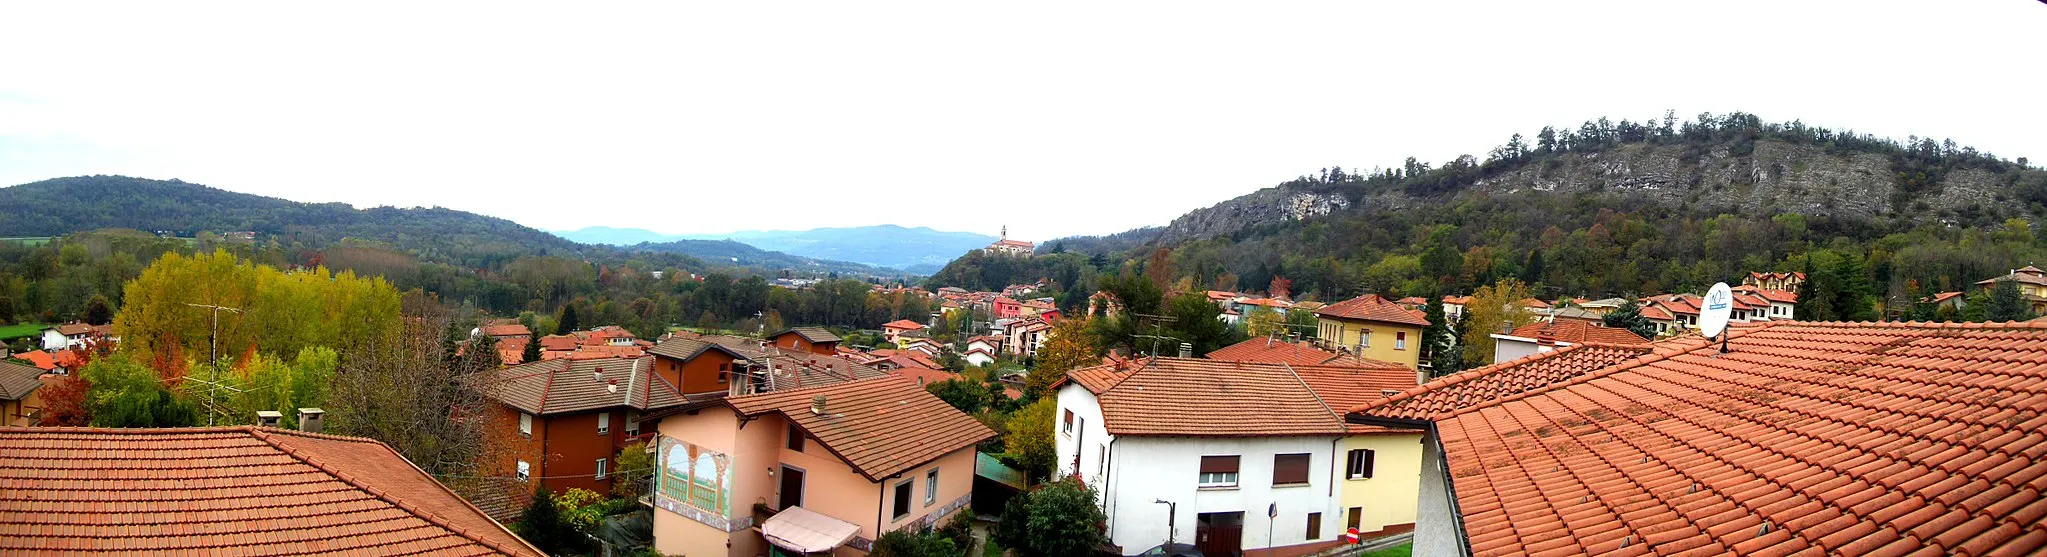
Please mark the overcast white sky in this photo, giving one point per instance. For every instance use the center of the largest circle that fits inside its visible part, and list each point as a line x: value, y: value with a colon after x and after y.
x: 1053, y: 118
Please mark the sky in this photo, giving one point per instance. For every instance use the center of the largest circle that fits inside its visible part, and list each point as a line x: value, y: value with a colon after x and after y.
x: 1053, y: 118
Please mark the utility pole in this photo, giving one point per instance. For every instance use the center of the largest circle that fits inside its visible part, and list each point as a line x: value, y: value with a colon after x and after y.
x: 213, y: 383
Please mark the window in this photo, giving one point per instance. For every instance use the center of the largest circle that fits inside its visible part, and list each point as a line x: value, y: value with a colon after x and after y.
x: 1290, y: 469
x: 603, y: 467
x: 1365, y: 338
x: 603, y: 423
x: 1400, y: 340
x: 931, y: 487
x: 723, y: 370
x: 1314, y: 526
x: 902, y: 506
x: 1359, y: 465
x: 525, y: 424
x: 1101, y: 461
x: 795, y: 438
x: 1219, y: 471
x: 1066, y: 427
x: 632, y: 423
x: 525, y: 470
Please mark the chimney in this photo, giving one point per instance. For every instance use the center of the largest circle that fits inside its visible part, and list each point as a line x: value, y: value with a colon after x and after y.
x: 817, y: 405
x: 1186, y: 350
x: 269, y: 418
x: 598, y: 374
x: 310, y: 419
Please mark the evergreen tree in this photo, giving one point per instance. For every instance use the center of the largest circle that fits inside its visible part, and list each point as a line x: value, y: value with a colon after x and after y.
x: 99, y: 312
x: 1818, y: 294
x: 532, y: 353
x: 567, y: 322
x: 1532, y: 272
x: 1436, y: 337
x: 543, y: 526
x: 1856, y: 300
x: 2006, y: 304
x: 1629, y: 316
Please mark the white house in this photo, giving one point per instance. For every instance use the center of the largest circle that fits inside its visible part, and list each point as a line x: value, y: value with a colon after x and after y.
x: 978, y: 357
x: 1545, y: 336
x: 69, y: 335
x: 1174, y: 459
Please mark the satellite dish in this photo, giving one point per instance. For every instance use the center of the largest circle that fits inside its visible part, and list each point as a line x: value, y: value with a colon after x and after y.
x: 1713, y: 313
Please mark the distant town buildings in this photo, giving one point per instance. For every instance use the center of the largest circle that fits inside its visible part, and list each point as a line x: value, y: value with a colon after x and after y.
x: 1006, y: 246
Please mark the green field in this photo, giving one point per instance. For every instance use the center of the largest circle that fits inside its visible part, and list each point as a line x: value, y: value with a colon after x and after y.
x: 19, y: 330
x: 30, y: 242
x: 1402, y: 550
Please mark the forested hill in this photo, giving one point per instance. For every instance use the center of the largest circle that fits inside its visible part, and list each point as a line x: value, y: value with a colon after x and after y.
x: 66, y: 205
x: 1603, y: 209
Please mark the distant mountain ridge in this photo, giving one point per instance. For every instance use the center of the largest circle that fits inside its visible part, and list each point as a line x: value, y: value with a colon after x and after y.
x: 61, y: 206
x: 917, y: 250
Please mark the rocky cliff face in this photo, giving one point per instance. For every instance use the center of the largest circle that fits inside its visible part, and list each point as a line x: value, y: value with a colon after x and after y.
x: 1774, y: 177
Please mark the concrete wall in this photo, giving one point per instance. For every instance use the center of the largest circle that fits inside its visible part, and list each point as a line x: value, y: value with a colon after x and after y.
x: 1436, y: 531
x: 1145, y: 469
x: 1506, y: 347
x: 1389, y: 497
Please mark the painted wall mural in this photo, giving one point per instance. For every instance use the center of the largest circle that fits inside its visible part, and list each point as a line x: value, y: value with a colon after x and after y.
x: 697, y: 478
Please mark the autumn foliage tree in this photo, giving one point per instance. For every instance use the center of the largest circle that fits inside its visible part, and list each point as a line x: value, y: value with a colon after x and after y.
x: 1068, y: 347
x: 1491, y: 308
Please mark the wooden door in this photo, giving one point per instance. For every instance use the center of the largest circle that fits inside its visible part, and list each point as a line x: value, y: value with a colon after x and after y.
x: 792, y: 488
x: 1219, y: 534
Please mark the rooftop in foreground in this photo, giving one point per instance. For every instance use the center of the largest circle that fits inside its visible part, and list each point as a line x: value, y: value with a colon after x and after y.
x: 1837, y: 438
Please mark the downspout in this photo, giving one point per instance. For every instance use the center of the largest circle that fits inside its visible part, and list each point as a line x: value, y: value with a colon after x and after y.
x: 1332, y: 471
x: 1107, y: 501
x: 881, y: 503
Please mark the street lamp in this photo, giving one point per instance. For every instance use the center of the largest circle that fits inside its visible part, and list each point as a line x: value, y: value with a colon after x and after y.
x: 1171, y: 511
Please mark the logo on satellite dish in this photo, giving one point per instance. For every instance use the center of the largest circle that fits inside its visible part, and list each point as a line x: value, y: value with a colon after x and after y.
x: 1719, y: 307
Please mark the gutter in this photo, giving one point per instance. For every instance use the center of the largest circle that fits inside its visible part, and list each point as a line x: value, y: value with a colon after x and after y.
x: 1450, y: 492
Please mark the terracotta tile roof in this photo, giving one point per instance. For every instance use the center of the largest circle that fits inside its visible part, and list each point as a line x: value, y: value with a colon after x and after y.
x: 1342, y: 387
x: 1207, y: 398
x: 599, y: 352
x: 1945, y: 296
x: 228, y: 491
x: 2033, y: 277
x: 1501, y: 380
x: 17, y: 381
x: 816, y: 335
x: 1579, y: 332
x: 1273, y: 351
x: 561, y: 343
x: 1657, y: 313
x: 1839, y: 438
x: 1533, y: 303
x: 1457, y: 300
x: 38, y: 359
x: 880, y: 426
x: 565, y: 385
x: 903, y: 324
x: 687, y: 349
x: 923, y: 375
x: 1371, y: 307
x: 75, y: 329
x: 797, y: 369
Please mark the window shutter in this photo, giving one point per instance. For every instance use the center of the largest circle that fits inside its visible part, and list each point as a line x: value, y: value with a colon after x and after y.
x: 1290, y: 469
x: 1219, y: 464
x: 1370, y: 456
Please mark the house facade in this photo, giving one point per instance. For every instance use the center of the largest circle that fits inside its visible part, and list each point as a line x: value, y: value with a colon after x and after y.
x: 810, y: 471
x: 569, y: 418
x: 1545, y: 336
x: 21, y: 395
x: 1372, y: 327
x: 1285, y: 484
x: 814, y: 340
x: 2032, y: 283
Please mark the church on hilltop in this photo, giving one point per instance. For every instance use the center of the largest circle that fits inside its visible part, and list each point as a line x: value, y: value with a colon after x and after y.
x: 1007, y: 246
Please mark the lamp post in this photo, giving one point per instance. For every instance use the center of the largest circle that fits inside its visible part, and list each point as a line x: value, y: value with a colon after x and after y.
x: 1172, y: 511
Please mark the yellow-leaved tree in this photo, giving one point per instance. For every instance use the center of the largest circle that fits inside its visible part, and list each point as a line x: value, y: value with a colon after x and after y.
x: 1492, y: 307
x: 1069, y: 347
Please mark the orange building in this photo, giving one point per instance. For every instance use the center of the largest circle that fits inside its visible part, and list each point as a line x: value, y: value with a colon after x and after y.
x: 571, y: 417
x: 814, y: 340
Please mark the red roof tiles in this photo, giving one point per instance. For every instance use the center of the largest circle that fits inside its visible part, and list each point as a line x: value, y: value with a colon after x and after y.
x: 880, y: 427
x: 1843, y: 438
x: 228, y: 491
x: 1274, y: 351
x: 1578, y: 332
x: 1372, y: 307
x: 567, y: 385
x: 903, y: 324
x: 1208, y: 398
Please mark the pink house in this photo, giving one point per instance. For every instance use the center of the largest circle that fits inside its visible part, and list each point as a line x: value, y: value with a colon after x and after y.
x: 1006, y: 308
x: 806, y: 471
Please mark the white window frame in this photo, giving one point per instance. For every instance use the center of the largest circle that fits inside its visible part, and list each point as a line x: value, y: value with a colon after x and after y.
x: 525, y: 424
x: 1400, y: 340
x: 931, y: 487
x: 603, y: 468
x: 603, y: 423
x: 632, y: 423
x: 1219, y: 479
x: 1066, y: 425
x: 525, y: 471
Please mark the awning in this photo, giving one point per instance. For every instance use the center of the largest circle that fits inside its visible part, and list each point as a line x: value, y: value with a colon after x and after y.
x: 800, y: 530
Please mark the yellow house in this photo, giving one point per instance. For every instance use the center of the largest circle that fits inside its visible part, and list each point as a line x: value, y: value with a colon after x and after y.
x: 1370, y: 326
x: 2032, y: 286
x: 1377, y: 470
x: 21, y: 397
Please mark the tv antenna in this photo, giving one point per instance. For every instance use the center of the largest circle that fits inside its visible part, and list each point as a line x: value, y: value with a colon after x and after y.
x: 213, y: 340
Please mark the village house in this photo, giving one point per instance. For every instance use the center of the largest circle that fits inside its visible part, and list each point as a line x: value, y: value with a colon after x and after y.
x: 75, y: 335
x: 820, y: 470
x: 1545, y: 336
x: 893, y: 330
x: 1788, y: 282
x: 21, y: 400
x: 1823, y: 438
x: 253, y: 491
x: 815, y: 340
x: 1245, y: 456
x: 1024, y: 337
x: 569, y: 418
x: 1369, y: 326
x: 2032, y: 283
